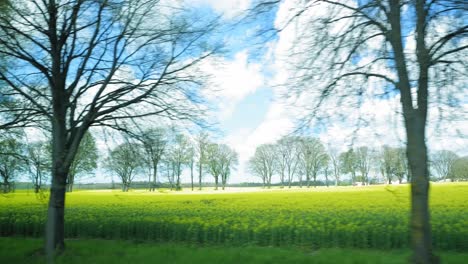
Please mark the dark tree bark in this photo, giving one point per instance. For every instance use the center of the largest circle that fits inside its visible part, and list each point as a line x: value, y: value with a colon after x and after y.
x: 315, y: 180
x: 155, y: 175
x: 191, y: 173
x: 415, y: 125
x: 200, y: 176
x: 216, y: 182
x: 71, y: 181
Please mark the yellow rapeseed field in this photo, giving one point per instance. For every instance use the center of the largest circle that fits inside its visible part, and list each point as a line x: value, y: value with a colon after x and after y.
x: 363, y: 217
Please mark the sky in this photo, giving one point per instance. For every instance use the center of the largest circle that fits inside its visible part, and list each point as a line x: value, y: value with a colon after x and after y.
x: 251, y: 108
x: 251, y: 111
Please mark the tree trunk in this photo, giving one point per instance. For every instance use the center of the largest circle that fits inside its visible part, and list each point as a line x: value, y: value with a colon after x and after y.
x: 178, y: 188
x: 55, y: 226
x: 421, y: 241
x: 216, y: 183
x: 415, y: 124
x: 200, y: 176
x: 150, y: 184
x: 36, y: 182
x: 191, y: 174
x: 155, y: 176
x: 71, y: 179
x: 326, y: 177
x: 40, y: 182
x: 5, y: 185
x: 55, y: 232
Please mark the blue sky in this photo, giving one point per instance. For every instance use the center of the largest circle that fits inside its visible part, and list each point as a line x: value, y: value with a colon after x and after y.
x: 249, y: 113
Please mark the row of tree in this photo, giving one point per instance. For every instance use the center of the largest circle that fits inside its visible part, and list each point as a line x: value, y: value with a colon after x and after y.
x: 163, y: 152
x: 305, y: 158
x: 18, y: 157
x: 153, y: 152
x: 166, y: 153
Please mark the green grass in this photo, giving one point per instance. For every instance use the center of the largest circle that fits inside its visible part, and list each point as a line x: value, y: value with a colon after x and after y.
x: 374, y: 217
x: 21, y: 250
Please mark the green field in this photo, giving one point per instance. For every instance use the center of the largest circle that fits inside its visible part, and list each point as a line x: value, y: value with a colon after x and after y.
x: 27, y: 250
x: 373, y: 217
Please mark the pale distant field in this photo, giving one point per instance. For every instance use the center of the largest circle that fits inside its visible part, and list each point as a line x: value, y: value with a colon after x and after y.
x: 346, y: 217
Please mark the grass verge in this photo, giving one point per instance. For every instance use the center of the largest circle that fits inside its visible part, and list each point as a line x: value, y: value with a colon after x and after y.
x: 28, y: 250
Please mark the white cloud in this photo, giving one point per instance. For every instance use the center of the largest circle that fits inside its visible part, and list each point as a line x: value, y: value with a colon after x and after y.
x: 382, y: 120
x: 228, y: 8
x: 231, y: 81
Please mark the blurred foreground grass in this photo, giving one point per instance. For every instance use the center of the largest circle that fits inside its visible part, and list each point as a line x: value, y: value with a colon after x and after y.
x: 28, y: 250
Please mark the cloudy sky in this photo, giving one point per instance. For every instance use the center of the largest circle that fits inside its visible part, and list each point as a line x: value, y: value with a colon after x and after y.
x: 251, y: 107
x: 252, y: 111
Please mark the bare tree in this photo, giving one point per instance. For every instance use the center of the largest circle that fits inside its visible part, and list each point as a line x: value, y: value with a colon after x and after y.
x: 262, y: 164
x: 191, y: 163
x: 313, y: 158
x: 179, y: 154
x: 348, y: 163
x: 401, y: 166
x: 343, y: 47
x: 335, y: 165
x: 201, y: 145
x: 442, y: 161
x: 289, y: 147
x: 85, y: 160
x: 327, y: 170
x: 154, y: 142
x: 364, y: 163
x: 38, y: 161
x: 228, y: 159
x: 170, y: 172
x: 257, y: 168
x: 280, y: 161
x: 459, y: 170
x: 212, y: 162
x: 85, y: 63
x: 11, y: 162
x: 387, y: 161
x: 393, y: 163
x: 125, y: 160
